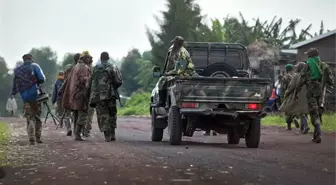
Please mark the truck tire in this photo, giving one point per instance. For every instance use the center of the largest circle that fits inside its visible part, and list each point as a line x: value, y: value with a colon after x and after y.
x: 252, y: 137
x: 220, y: 70
x: 233, y: 136
x: 175, y: 126
x: 157, y: 133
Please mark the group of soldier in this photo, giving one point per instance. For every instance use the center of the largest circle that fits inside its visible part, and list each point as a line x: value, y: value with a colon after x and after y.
x: 303, y: 91
x: 82, y: 88
x: 78, y: 91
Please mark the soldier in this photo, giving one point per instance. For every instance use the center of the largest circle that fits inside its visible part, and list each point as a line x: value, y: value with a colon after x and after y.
x: 311, y: 76
x: 67, y: 115
x: 27, y: 77
x: 179, y: 64
x: 55, y: 97
x: 106, y: 79
x: 76, y: 92
x: 290, y: 106
x: 283, y: 87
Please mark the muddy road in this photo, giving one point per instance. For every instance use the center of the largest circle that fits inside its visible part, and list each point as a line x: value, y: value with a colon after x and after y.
x: 284, y: 158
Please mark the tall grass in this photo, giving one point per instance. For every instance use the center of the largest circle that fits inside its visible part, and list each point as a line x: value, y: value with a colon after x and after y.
x: 137, y: 105
x: 4, y: 137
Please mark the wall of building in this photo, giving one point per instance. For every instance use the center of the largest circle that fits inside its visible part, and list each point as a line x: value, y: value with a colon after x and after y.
x: 326, y: 46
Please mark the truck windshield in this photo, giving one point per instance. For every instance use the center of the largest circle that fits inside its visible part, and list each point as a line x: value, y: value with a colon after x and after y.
x: 232, y: 57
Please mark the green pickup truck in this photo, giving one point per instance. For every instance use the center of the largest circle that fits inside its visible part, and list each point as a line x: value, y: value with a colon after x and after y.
x: 224, y: 98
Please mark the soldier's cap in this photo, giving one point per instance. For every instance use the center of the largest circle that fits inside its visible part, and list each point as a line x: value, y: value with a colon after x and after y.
x: 289, y: 66
x: 312, y: 52
x: 61, y: 73
x: 27, y: 56
x: 177, y: 39
x: 85, y: 53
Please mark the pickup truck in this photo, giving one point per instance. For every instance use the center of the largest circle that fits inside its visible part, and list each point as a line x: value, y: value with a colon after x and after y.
x: 224, y: 97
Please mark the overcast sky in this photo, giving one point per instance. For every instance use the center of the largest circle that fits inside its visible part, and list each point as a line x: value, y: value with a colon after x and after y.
x: 116, y: 26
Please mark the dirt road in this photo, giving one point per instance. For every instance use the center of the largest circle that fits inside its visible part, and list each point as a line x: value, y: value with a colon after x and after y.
x: 284, y: 158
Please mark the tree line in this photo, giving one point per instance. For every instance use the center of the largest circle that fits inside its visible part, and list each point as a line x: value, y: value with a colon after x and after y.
x: 184, y: 18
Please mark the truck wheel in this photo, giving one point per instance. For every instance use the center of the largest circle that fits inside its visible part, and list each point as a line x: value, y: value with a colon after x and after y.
x: 157, y: 133
x: 175, y: 126
x: 252, y: 137
x: 220, y: 70
x: 233, y: 136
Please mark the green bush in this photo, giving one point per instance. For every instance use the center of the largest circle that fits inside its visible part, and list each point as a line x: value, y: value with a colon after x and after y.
x: 328, y: 123
x: 4, y: 136
x: 137, y: 105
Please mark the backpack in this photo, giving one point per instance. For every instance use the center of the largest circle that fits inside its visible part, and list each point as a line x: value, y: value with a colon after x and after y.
x: 327, y: 75
x: 105, y: 81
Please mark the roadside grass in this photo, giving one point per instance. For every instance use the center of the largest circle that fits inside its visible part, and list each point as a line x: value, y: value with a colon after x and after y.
x: 4, y: 137
x: 137, y: 105
x: 328, y: 122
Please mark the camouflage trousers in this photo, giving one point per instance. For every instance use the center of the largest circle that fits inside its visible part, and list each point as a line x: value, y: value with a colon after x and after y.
x: 59, y: 108
x: 88, y: 125
x: 67, y: 119
x: 314, y: 101
x: 107, y: 115
x: 32, y: 112
x: 80, y: 117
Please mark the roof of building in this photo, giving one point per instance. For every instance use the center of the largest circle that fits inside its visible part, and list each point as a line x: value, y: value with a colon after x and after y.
x: 324, y: 35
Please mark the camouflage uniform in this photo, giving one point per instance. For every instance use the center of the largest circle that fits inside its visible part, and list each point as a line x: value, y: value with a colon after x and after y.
x: 179, y: 64
x: 284, y: 86
x: 105, y: 81
x: 88, y: 125
x: 32, y: 112
x: 311, y: 76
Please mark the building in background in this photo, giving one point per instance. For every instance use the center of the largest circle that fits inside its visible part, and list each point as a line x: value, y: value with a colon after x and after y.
x: 326, y: 43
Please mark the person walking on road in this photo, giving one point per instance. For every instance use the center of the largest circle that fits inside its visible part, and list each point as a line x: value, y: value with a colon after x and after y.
x: 27, y: 77
x: 11, y: 105
x: 106, y: 79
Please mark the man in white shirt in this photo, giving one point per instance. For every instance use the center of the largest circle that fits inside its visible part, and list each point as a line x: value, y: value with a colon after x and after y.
x: 11, y: 106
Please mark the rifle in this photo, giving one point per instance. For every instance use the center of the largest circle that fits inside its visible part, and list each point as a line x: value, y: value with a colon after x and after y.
x: 118, y: 96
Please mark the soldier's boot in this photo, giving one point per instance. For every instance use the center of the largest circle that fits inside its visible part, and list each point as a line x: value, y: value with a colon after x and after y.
x: 38, y: 140
x: 69, y: 133
x: 113, y: 137
x: 86, y: 133
x: 305, y: 128
x: 107, y: 135
x: 32, y: 142
x: 289, y: 126
x: 317, y: 134
x: 78, y: 133
x: 162, y: 99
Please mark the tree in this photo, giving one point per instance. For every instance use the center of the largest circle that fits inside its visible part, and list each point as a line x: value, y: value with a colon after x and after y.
x: 144, y: 77
x: 5, y: 87
x: 47, y: 59
x: 67, y: 59
x: 129, y: 69
x: 182, y: 18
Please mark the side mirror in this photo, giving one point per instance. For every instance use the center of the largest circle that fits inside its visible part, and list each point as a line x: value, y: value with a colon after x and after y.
x: 156, y: 72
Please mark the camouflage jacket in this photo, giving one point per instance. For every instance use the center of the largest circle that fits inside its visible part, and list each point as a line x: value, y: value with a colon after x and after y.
x: 284, y: 84
x: 105, y: 81
x: 180, y: 63
x: 313, y: 86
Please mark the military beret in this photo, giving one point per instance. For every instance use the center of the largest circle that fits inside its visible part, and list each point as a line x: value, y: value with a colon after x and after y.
x: 289, y: 66
x: 312, y: 52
